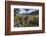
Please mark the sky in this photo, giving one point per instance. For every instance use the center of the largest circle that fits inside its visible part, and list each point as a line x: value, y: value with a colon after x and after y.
x: 29, y: 11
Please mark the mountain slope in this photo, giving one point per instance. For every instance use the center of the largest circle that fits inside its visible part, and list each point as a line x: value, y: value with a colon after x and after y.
x: 33, y: 13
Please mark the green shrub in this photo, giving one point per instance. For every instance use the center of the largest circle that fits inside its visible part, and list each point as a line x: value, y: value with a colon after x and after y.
x: 17, y: 17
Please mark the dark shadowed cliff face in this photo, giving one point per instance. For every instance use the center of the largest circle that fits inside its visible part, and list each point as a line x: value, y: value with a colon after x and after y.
x: 35, y: 12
